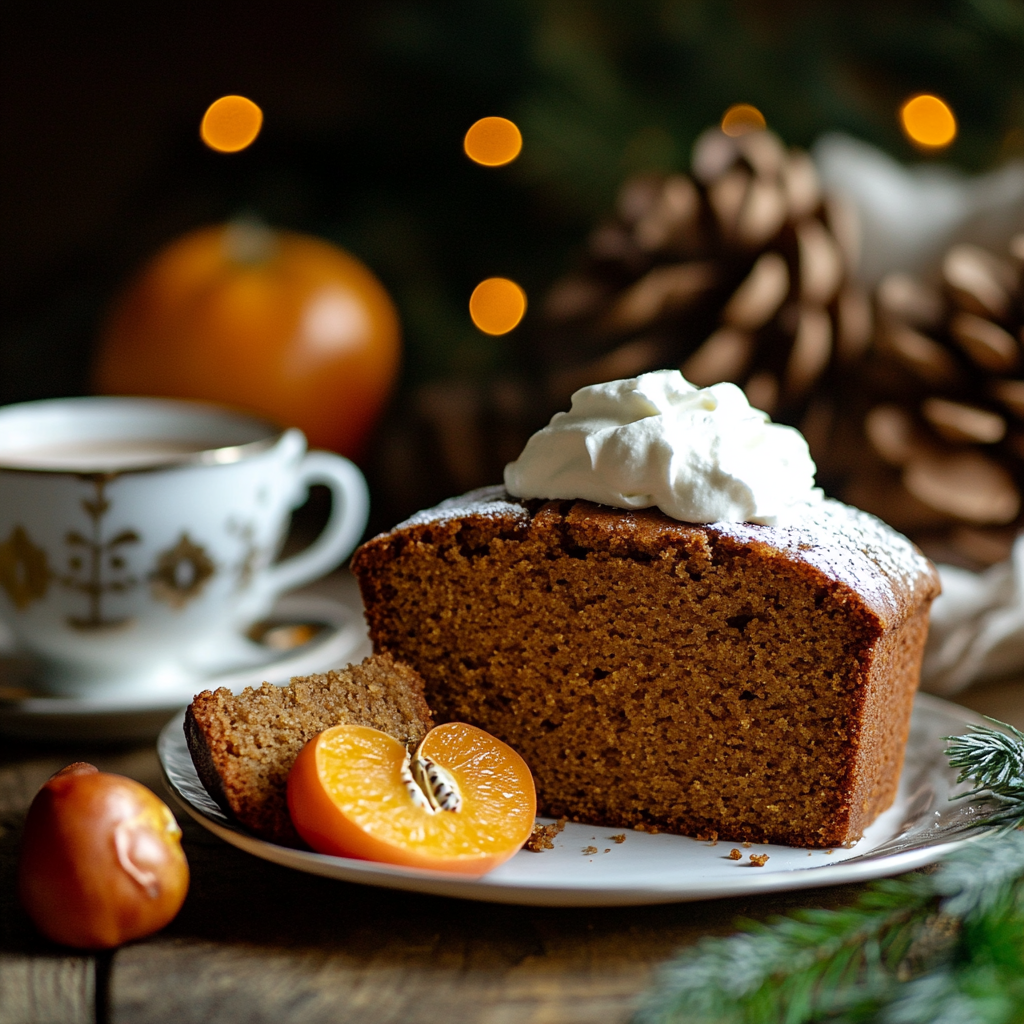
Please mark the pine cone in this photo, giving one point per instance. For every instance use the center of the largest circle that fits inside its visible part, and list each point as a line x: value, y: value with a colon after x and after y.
x: 942, y: 407
x: 736, y: 273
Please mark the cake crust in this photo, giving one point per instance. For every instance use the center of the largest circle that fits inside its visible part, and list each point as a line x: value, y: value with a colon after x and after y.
x: 748, y: 681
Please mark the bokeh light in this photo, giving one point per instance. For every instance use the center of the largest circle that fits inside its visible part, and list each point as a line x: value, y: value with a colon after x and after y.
x: 493, y: 141
x: 231, y: 124
x: 497, y: 305
x: 928, y: 121
x: 741, y: 118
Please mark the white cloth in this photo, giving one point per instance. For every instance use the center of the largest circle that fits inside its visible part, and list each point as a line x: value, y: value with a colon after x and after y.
x: 977, y: 630
x: 909, y: 216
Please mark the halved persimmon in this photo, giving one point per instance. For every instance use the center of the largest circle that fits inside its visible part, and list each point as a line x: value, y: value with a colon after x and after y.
x: 464, y: 802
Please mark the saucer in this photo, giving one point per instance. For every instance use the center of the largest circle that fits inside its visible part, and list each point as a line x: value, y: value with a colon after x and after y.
x: 316, y: 633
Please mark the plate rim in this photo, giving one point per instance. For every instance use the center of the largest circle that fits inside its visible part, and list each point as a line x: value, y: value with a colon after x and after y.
x: 859, y: 869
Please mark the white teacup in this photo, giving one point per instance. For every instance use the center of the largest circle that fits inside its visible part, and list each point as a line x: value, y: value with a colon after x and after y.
x: 138, y: 536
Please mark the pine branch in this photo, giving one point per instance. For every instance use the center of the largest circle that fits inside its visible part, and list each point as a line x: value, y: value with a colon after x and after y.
x: 994, y: 761
x: 940, y: 948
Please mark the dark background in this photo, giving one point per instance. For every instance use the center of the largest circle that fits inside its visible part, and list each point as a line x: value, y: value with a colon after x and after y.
x: 365, y: 107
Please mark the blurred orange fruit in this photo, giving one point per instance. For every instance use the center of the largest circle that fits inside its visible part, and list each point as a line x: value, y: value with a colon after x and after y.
x: 465, y: 802
x: 278, y: 323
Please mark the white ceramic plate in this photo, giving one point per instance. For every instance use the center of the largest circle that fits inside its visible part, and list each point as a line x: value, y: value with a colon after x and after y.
x: 919, y: 828
x: 141, y: 717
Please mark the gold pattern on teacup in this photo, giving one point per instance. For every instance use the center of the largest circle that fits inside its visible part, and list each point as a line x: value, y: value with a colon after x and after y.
x: 252, y: 553
x: 181, y: 572
x: 96, y: 565
x: 24, y: 569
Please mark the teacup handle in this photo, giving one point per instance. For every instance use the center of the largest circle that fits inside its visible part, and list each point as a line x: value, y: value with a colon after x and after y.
x: 350, y: 509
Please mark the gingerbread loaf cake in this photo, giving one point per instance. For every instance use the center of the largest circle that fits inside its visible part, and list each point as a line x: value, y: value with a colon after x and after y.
x: 735, y: 680
x: 244, y: 745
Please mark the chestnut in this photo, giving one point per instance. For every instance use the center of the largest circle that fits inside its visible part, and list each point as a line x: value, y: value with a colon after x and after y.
x: 101, y: 860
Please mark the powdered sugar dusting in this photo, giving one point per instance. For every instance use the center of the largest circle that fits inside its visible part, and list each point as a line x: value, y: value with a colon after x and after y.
x: 491, y: 502
x: 845, y: 544
x: 851, y: 547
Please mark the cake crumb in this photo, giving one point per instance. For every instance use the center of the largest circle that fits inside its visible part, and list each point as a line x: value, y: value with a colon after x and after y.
x: 746, y: 846
x: 542, y: 835
x: 620, y: 838
x: 587, y: 850
x: 607, y: 851
x: 735, y: 855
x: 828, y: 853
x: 539, y: 840
x: 758, y: 859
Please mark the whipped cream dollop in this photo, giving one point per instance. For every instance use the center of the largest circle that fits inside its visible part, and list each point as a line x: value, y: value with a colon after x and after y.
x: 701, y: 455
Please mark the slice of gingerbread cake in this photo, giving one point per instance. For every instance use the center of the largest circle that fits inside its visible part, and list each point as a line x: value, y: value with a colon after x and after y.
x: 244, y: 745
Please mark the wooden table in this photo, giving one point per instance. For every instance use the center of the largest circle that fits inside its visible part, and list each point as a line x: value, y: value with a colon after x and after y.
x: 258, y: 943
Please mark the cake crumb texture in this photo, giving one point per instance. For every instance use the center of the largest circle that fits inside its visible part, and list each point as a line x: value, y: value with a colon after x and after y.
x: 244, y: 746
x: 542, y: 836
x: 736, y: 680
